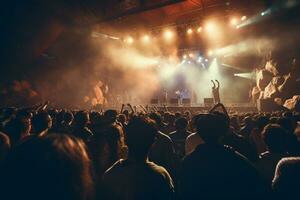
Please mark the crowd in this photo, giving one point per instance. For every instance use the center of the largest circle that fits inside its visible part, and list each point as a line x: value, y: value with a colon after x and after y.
x: 147, y: 154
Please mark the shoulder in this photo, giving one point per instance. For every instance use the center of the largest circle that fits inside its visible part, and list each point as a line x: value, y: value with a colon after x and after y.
x: 164, y: 137
x: 161, y: 172
x: 192, y: 137
x: 117, y: 166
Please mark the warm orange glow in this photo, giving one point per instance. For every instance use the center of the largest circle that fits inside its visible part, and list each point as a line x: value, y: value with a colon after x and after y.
x: 199, y: 29
x: 189, y: 31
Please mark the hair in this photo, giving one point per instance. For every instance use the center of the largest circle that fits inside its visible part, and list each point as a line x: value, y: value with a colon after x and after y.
x: 51, y: 167
x: 41, y: 122
x: 181, y: 123
x: 68, y: 117
x: 287, y: 124
x: 211, y: 127
x: 156, y: 117
x: 261, y: 122
x: 139, y: 136
x: 275, y: 137
x: 287, y: 177
x: 17, y: 129
x: 110, y: 115
x: 81, y: 118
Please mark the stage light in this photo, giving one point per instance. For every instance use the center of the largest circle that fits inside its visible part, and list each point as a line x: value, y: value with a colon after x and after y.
x: 244, y: 18
x: 200, y: 59
x: 191, y: 55
x: 129, y: 40
x: 146, y: 38
x: 233, y: 21
x: 168, y: 35
x: 262, y: 14
x: 184, y: 56
x: 206, y: 60
x: 199, y: 29
x: 249, y: 75
x: 210, y: 52
x: 209, y: 27
x: 189, y: 31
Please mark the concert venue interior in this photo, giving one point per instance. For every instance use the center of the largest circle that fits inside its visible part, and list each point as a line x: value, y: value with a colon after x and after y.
x: 143, y: 52
x: 73, y: 66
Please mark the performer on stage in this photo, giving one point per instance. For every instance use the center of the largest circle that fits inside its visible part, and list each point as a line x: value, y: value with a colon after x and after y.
x: 165, y: 97
x: 216, y: 91
x: 179, y: 94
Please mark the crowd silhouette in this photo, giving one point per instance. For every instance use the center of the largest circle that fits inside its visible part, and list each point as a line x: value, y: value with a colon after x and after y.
x: 147, y: 154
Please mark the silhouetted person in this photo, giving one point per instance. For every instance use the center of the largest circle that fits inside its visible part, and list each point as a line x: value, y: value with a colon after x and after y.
x: 81, y: 130
x: 216, y: 91
x: 162, y: 151
x: 179, y: 136
x: 287, y: 178
x: 51, y: 167
x: 216, y: 171
x: 41, y: 123
x: 136, y: 177
x: 18, y: 129
x: 275, y: 138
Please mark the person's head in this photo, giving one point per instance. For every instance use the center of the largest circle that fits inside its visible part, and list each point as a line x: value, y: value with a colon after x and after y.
x: 211, y: 127
x: 156, y: 117
x: 181, y: 123
x: 81, y: 119
x: 139, y: 136
x: 41, y: 122
x: 287, y: 124
x: 122, y: 119
x: 94, y: 117
x: 170, y: 118
x: 68, y: 118
x: 286, y: 179
x: 110, y: 116
x: 274, y: 137
x: 50, y: 167
x: 261, y: 122
x: 18, y: 129
x: 248, y: 121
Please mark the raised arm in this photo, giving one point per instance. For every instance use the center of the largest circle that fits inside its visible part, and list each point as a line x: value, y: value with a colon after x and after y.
x: 144, y: 109
x: 122, y: 108
x: 218, y: 84
x: 214, y: 85
x: 132, y: 110
x: 219, y: 105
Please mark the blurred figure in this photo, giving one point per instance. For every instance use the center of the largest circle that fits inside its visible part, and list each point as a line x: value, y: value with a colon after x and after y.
x: 287, y: 178
x: 51, y: 167
x: 81, y: 129
x: 216, y: 171
x: 275, y: 138
x: 136, y: 177
x: 194, y: 139
x: 41, y: 123
x: 162, y: 151
x: 17, y: 130
x: 216, y: 91
x: 179, y: 136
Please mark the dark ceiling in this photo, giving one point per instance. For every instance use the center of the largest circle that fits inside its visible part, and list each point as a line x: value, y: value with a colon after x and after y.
x: 29, y: 28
